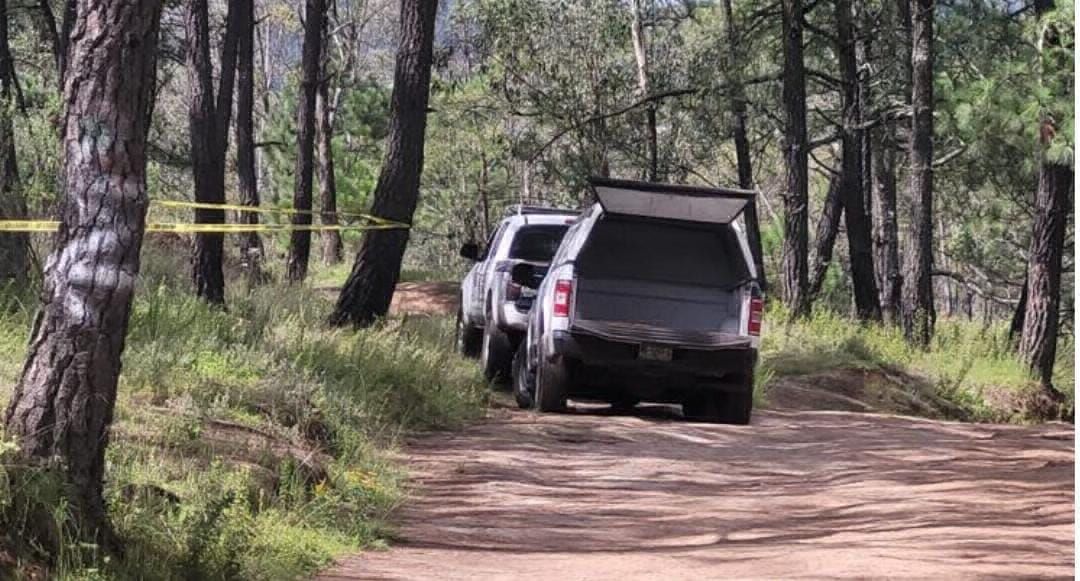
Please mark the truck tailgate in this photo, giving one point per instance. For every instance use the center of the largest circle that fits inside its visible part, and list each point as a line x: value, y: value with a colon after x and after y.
x: 628, y: 332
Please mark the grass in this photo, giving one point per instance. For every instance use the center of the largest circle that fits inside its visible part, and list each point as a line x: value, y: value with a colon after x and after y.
x: 968, y: 364
x: 254, y: 443
x: 334, y: 276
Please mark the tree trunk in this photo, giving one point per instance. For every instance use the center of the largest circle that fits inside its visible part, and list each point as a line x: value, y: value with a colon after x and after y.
x: 886, y: 232
x: 63, y: 403
x: 227, y: 78
x: 852, y: 195
x: 827, y: 229
x: 300, y: 239
x: 332, y: 249
x: 795, y: 167
x: 1038, y: 339
x: 641, y: 57
x: 58, y: 36
x: 742, y: 144
x: 251, y: 249
x: 14, y: 246
x: 917, y: 294
x: 370, y: 286
x: 1038, y: 342
x: 1016, y: 323
x: 208, y: 168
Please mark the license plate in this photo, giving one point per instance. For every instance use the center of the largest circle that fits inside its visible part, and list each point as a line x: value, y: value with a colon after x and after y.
x: 528, y: 293
x: 654, y: 353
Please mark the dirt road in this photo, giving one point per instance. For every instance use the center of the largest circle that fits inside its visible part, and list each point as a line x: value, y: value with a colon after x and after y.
x: 590, y: 495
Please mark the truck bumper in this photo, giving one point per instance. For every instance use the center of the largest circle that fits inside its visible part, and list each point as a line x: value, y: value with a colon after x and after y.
x: 604, y: 368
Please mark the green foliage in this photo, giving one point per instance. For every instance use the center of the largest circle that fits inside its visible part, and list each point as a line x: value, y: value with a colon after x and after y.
x: 248, y: 444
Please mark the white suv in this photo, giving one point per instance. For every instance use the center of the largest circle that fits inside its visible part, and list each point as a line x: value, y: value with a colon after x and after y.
x: 652, y: 296
x: 494, y: 309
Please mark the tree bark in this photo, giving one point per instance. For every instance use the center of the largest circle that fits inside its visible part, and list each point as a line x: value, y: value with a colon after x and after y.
x: 886, y: 232
x: 852, y: 195
x: 827, y: 229
x: 795, y: 168
x: 1038, y: 342
x: 917, y: 289
x: 300, y: 240
x: 742, y: 144
x: 251, y: 248
x: 208, y: 166
x: 14, y: 246
x: 641, y: 57
x: 370, y: 286
x: 1016, y: 323
x: 332, y: 248
x: 63, y: 402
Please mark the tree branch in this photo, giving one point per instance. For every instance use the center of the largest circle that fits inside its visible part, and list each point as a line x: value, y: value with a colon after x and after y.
x: 640, y: 102
x: 974, y: 287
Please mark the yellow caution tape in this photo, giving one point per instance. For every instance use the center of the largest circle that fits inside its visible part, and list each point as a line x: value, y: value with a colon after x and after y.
x: 242, y: 208
x: 52, y: 226
x: 246, y: 228
x: 377, y: 222
x: 28, y: 226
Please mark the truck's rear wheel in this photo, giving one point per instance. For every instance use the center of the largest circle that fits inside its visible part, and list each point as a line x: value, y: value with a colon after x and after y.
x: 496, y: 355
x: 523, y: 382
x: 736, y: 407
x: 551, y: 385
x: 469, y: 339
x: 720, y: 407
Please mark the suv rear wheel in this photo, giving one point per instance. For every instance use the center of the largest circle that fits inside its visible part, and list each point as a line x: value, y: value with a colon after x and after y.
x: 496, y: 354
x: 551, y: 380
x: 468, y: 338
x: 722, y: 407
x: 736, y: 408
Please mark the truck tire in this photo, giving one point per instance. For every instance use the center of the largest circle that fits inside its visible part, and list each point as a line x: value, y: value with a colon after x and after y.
x: 721, y: 407
x: 736, y: 408
x: 523, y: 383
x: 496, y: 355
x: 551, y: 385
x: 469, y: 339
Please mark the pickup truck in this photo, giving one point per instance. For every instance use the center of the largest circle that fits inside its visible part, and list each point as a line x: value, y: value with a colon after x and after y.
x: 652, y: 296
x: 494, y: 309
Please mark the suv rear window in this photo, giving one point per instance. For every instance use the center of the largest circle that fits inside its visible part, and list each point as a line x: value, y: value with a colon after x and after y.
x: 537, y: 243
x: 645, y: 249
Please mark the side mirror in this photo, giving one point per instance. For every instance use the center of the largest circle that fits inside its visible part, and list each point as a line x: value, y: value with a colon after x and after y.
x: 470, y: 250
x: 524, y: 274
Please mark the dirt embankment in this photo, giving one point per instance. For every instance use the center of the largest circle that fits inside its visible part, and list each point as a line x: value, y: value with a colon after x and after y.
x: 591, y: 495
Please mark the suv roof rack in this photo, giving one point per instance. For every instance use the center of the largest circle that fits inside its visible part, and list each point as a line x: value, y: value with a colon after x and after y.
x: 527, y: 209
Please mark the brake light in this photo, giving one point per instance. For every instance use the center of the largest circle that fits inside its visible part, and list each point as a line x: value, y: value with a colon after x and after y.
x: 563, y: 290
x: 757, y: 308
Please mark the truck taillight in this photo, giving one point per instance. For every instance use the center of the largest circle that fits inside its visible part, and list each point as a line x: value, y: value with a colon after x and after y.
x: 513, y: 290
x: 757, y: 309
x: 563, y: 289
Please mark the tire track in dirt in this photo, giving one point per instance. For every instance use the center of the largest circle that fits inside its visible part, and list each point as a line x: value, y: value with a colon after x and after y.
x: 592, y: 495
